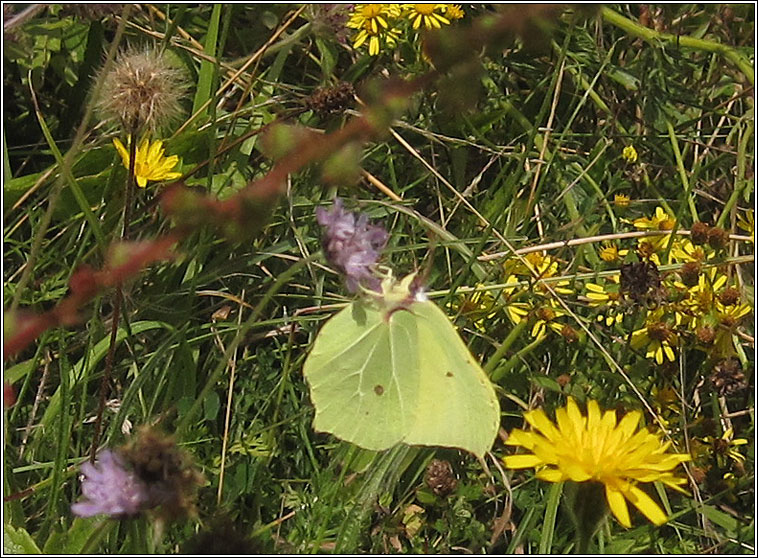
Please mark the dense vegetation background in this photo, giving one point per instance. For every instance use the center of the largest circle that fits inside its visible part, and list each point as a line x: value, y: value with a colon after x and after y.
x: 552, y: 132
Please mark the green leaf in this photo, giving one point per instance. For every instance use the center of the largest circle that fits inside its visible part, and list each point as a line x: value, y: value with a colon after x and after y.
x: 18, y: 541
x: 382, y: 376
x: 721, y: 519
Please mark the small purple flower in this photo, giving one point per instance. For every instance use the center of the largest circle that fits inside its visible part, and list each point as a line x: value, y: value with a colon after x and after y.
x: 110, y: 488
x: 351, y: 244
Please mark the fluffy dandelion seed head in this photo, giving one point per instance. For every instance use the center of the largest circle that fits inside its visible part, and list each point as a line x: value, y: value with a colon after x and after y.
x: 598, y: 448
x: 142, y: 90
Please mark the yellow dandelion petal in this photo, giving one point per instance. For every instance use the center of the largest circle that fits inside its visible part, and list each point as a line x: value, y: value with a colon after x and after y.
x: 522, y: 461
x: 645, y: 504
x: 617, y: 504
x: 551, y: 475
x: 360, y: 38
x: 538, y: 419
x: 122, y: 151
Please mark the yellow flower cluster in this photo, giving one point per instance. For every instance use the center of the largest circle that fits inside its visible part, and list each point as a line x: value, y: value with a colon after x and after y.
x: 697, y: 305
x: 382, y: 25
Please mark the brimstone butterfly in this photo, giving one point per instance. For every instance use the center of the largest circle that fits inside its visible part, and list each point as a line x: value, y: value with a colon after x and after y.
x: 392, y: 368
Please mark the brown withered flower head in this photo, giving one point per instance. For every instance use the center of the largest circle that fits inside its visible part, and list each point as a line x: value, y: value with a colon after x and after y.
x: 699, y: 233
x: 142, y: 90
x: 718, y: 238
x: 638, y: 279
x: 327, y: 100
x: 166, y: 470
x: 690, y: 273
x: 440, y: 478
x: 727, y: 377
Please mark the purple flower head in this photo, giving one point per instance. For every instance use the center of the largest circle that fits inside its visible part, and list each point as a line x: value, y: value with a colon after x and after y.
x: 351, y: 244
x: 110, y: 488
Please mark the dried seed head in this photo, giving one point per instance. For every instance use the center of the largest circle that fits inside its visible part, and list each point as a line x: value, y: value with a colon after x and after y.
x: 699, y: 233
x: 440, y: 478
x: 167, y: 471
x: 326, y: 100
x: 717, y: 238
x: 729, y: 296
x: 638, y: 279
x: 727, y: 377
x: 569, y: 334
x: 142, y: 90
x: 690, y: 273
x: 698, y: 474
x: 563, y: 380
x: 706, y: 335
x: 658, y: 331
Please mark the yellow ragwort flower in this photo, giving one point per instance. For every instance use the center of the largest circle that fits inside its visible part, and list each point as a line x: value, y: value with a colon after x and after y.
x: 516, y: 311
x: 374, y: 24
x: 661, y: 221
x: 684, y: 251
x: 746, y: 222
x: 478, y: 307
x: 621, y: 201
x: 428, y: 14
x: 149, y: 163
x: 609, y: 300
x: 598, y: 448
x: 629, y: 154
x: 454, y: 11
x: 656, y: 338
x: 546, y: 318
x: 610, y: 252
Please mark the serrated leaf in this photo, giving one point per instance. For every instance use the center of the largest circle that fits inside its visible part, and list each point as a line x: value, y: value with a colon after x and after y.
x: 18, y: 541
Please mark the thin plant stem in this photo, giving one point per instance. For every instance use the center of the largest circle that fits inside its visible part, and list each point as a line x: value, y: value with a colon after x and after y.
x: 117, y: 298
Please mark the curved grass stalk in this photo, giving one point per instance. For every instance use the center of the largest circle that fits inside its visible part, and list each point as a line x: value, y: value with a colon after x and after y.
x: 651, y: 36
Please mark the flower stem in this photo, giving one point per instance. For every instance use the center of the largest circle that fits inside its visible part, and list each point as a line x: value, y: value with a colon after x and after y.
x: 117, y: 297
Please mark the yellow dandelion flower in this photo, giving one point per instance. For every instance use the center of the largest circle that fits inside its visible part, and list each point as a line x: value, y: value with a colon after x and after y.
x: 661, y: 221
x: 453, y: 11
x: 428, y: 14
x: 599, y: 448
x: 621, y: 201
x: 610, y: 252
x: 629, y: 154
x: 149, y: 162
